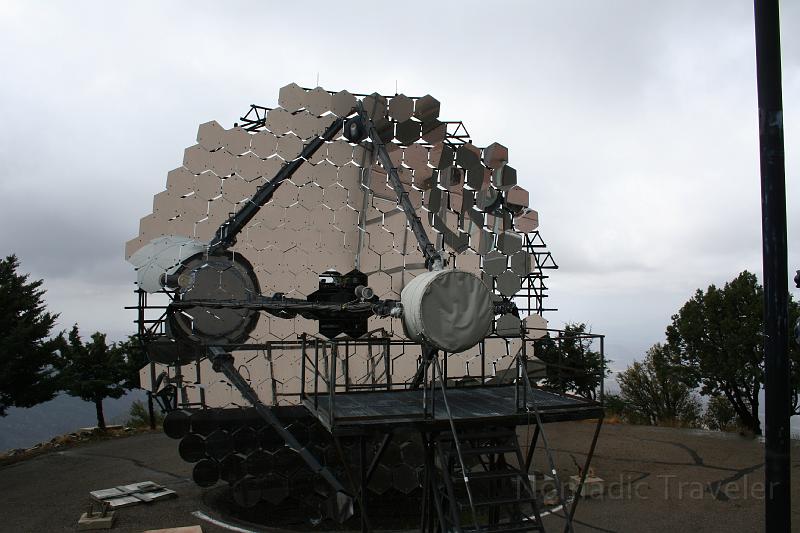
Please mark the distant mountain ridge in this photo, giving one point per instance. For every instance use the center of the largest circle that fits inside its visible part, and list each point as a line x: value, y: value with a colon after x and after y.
x: 23, y: 428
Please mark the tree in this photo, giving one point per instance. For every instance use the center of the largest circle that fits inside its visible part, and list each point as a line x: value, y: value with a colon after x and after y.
x: 653, y: 392
x: 718, y: 337
x: 719, y: 414
x: 572, y: 364
x: 26, y: 353
x: 794, y: 355
x: 139, y: 416
x: 92, y: 371
x: 615, y: 406
x: 135, y: 358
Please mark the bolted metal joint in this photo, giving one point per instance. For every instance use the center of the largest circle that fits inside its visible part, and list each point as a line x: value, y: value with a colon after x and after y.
x: 364, y: 293
x: 219, y: 359
x: 437, y: 260
x: 354, y: 130
x: 384, y: 308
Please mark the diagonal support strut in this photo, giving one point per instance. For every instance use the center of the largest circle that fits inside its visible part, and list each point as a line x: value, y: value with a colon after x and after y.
x: 222, y: 361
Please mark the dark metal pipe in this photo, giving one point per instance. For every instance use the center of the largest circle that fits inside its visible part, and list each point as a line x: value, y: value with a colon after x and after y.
x: 204, y: 421
x: 531, y: 449
x: 362, y: 497
x: 232, y: 468
x: 192, y: 448
x: 387, y: 438
x: 177, y: 424
x: 247, y: 491
x: 227, y: 232
x: 432, y: 256
x: 205, y: 473
x: 245, y: 440
x: 585, y: 470
x: 219, y: 444
x: 258, y: 463
x: 777, y: 387
x: 303, y: 357
x: 223, y: 362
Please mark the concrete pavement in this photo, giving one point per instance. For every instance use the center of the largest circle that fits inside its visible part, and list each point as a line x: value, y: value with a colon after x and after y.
x: 656, y: 479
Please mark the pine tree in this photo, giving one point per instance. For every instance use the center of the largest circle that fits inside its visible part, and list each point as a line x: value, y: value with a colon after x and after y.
x: 26, y: 353
x: 92, y: 371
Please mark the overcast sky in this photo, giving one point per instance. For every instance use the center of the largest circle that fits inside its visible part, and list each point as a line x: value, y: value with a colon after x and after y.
x: 633, y: 124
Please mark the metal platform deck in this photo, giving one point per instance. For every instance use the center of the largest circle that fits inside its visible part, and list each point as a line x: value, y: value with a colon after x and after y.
x: 474, y: 404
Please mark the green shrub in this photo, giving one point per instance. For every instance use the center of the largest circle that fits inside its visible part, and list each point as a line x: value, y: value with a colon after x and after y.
x: 139, y: 417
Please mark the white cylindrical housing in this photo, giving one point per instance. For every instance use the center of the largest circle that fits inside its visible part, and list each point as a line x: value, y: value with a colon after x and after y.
x: 450, y: 309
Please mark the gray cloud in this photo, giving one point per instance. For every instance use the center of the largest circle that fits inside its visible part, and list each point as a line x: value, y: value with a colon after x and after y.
x: 632, y: 124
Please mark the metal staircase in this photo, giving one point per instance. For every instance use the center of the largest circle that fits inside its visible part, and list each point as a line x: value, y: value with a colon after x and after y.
x: 502, y: 499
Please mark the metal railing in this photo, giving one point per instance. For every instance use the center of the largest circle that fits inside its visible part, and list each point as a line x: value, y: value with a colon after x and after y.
x: 587, y: 379
x: 368, y: 364
x: 327, y: 370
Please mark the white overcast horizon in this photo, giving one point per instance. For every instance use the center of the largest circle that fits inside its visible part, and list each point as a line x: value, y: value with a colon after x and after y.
x: 632, y: 124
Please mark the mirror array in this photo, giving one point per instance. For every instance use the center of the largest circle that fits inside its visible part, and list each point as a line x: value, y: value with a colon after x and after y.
x: 252, y: 457
x: 338, y: 212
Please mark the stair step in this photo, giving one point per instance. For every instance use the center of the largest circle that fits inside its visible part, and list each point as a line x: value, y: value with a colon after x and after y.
x: 496, y: 474
x: 515, y: 527
x: 481, y: 450
x: 498, y: 501
x: 483, y: 444
x: 477, y: 435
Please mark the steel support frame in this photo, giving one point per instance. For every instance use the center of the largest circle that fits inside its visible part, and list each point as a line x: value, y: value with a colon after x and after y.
x: 584, y: 470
